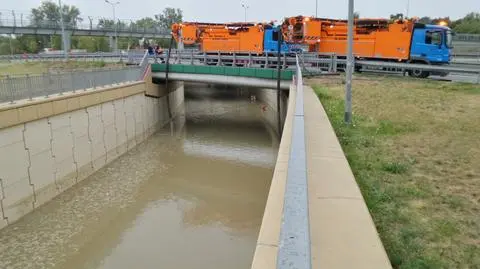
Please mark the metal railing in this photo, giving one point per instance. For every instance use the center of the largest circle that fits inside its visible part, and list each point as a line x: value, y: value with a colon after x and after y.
x: 311, y: 63
x: 13, y: 88
x: 131, y: 55
x: 27, y: 21
x: 294, y: 243
x: 467, y: 37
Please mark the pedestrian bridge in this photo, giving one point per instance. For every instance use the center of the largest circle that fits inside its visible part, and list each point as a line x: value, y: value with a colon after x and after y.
x: 315, y: 215
x: 226, y: 75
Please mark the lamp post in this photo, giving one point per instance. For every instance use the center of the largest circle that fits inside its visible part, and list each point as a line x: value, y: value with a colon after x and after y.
x: 64, y: 37
x: 245, y: 7
x: 350, y: 63
x: 408, y: 9
x: 114, y: 20
x: 316, y: 8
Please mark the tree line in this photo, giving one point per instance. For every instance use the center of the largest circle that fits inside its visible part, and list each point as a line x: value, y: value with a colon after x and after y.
x: 470, y: 24
x: 48, y: 14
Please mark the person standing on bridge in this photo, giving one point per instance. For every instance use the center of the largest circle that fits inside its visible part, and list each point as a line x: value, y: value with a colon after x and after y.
x: 159, y: 53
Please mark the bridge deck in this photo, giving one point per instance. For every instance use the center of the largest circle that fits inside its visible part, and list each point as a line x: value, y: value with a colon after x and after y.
x: 263, y: 73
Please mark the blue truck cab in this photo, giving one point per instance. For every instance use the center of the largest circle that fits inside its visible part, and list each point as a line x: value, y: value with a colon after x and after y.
x: 270, y: 42
x: 431, y: 44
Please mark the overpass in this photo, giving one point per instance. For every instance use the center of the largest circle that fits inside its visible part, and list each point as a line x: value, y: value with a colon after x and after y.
x: 315, y: 216
x: 225, y: 75
x: 20, y: 26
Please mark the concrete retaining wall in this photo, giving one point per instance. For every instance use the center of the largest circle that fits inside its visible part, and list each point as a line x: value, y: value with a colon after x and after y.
x: 47, y: 146
x: 269, y: 98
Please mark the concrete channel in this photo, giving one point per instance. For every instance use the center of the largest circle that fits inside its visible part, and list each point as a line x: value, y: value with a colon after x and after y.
x: 139, y: 176
x: 117, y: 184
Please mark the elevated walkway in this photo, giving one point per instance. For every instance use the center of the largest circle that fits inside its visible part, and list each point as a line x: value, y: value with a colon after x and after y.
x: 227, y: 75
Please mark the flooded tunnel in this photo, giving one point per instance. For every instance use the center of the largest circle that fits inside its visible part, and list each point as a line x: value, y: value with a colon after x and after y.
x: 190, y: 196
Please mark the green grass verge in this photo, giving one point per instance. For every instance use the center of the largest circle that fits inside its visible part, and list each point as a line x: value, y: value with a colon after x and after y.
x: 422, y: 223
x: 47, y: 66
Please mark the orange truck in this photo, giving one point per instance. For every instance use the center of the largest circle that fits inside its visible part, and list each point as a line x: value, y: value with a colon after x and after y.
x: 374, y: 39
x: 228, y: 38
x: 215, y: 37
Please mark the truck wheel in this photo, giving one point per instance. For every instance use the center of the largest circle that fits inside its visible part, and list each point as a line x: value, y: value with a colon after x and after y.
x: 418, y: 73
x: 358, y: 68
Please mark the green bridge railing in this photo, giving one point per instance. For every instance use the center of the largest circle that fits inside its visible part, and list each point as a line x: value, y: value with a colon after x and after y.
x: 264, y: 73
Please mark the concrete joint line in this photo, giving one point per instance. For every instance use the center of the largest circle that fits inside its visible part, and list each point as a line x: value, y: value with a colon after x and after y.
x: 339, y: 198
x: 115, y: 126
x: 125, y: 119
x: 268, y: 245
x: 104, y: 133
x: 29, y: 165
x: 1, y: 201
x: 134, y: 122
x: 73, y: 148
x: 53, y: 157
x: 89, y: 138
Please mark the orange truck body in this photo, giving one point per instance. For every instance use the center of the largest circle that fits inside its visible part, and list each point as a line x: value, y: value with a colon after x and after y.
x: 373, y: 38
x: 215, y: 37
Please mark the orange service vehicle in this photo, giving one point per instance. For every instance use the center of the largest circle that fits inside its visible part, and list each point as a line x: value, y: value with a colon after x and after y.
x: 374, y: 39
x: 221, y: 37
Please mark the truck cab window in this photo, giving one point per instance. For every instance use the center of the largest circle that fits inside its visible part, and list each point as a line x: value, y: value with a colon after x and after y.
x: 275, y: 35
x: 434, y: 38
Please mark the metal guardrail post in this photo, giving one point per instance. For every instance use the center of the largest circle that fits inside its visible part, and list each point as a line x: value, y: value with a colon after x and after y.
x: 30, y: 88
x: 11, y: 91
x: 294, y: 243
x: 60, y: 84
x: 330, y: 65
x: 72, y: 78
x: 46, y: 81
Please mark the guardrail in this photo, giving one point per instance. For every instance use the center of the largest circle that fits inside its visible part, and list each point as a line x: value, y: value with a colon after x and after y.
x: 94, y: 56
x: 311, y: 62
x: 294, y: 242
x: 13, y: 88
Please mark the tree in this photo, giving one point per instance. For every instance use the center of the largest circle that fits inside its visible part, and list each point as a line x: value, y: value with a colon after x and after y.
x: 145, y: 23
x: 48, y: 14
x: 110, y: 24
x: 470, y: 24
x: 398, y: 16
x: 92, y: 44
x: 168, y: 17
x: 425, y: 20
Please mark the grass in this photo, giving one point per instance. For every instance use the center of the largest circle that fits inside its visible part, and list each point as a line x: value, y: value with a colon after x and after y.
x: 47, y: 66
x: 415, y: 150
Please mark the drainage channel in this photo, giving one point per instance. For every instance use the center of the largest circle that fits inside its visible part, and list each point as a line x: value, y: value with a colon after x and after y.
x: 190, y: 196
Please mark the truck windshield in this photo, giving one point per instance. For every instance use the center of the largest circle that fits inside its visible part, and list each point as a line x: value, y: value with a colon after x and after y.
x: 449, y: 39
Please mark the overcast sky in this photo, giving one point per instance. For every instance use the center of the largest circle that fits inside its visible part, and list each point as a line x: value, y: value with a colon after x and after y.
x: 259, y: 10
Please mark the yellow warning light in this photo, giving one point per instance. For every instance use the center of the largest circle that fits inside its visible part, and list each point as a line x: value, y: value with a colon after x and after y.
x: 443, y: 23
